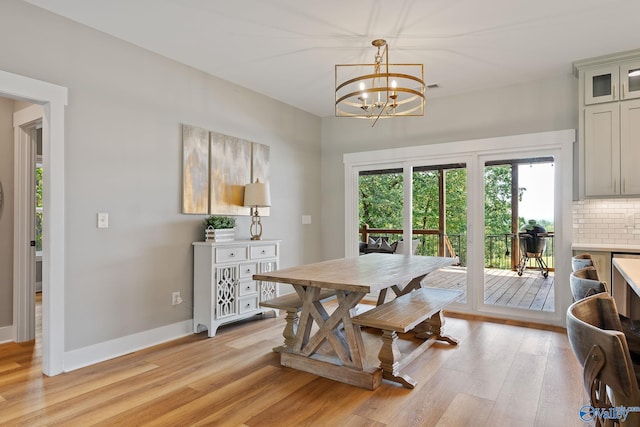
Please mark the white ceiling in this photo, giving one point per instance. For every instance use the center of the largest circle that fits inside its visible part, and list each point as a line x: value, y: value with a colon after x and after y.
x: 287, y: 49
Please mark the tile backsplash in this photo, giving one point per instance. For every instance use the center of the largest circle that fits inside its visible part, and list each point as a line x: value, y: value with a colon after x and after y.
x: 606, y: 221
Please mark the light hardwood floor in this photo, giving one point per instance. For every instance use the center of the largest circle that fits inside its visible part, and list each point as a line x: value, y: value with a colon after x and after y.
x: 499, y: 375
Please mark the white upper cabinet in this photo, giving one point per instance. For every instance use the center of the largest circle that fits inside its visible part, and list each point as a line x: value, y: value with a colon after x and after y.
x: 602, y: 150
x: 630, y: 79
x: 609, y: 125
x: 630, y: 147
x: 612, y: 82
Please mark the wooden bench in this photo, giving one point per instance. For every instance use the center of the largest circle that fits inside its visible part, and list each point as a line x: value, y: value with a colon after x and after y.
x: 292, y: 304
x: 419, y: 311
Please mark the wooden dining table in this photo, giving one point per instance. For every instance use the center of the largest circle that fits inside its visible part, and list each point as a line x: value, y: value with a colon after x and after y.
x: 329, y: 344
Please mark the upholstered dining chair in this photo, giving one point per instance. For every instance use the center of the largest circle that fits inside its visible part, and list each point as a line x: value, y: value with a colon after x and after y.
x: 581, y: 261
x: 609, y: 377
x: 585, y: 282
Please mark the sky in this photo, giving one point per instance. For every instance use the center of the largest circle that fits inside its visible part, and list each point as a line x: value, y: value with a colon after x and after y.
x: 537, y: 201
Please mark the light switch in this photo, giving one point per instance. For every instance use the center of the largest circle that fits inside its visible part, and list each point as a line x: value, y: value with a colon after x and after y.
x: 306, y: 219
x: 103, y: 220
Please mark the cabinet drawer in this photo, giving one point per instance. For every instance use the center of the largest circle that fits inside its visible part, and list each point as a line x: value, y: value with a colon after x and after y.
x: 248, y: 304
x: 231, y: 253
x: 263, y: 251
x: 248, y: 270
x: 249, y: 287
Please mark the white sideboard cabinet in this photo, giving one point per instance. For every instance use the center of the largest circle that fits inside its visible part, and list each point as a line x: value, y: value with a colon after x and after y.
x: 609, y: 125
x: 223, y: 287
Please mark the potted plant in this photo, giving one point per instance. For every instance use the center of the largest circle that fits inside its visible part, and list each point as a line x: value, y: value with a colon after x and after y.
x: 219, y: 228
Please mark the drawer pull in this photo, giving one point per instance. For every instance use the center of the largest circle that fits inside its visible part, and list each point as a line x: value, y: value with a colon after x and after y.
x: 264, y: 252
x: 232, y: 254
x: 248, y: 270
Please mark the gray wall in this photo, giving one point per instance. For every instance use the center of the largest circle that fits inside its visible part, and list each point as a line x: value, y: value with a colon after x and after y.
x: 6, y: 214
x: 544, y: 105
x: 123, y: 156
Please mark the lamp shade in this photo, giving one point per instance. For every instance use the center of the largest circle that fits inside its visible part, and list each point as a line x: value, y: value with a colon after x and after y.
x: 257, y: 194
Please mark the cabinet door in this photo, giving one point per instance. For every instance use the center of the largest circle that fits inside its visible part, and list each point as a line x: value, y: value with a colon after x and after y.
x: 630, y: 147
x: 602, y: 149
x: 630, y: 79
x: 601, y: 84
x: 226, y: 291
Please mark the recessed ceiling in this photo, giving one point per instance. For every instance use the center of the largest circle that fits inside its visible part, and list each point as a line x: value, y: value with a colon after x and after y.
x: 287, y: 49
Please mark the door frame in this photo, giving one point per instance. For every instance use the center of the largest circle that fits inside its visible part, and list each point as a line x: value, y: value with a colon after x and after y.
x: 24, y: 257
x: 560, y: 231
x: 53, y: 99
x: 560, y: 142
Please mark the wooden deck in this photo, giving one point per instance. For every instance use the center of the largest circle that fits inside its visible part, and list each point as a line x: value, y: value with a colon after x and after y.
x: 502, y: 287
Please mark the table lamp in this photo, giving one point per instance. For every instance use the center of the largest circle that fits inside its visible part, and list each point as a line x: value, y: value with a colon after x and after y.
x: 256, y: 196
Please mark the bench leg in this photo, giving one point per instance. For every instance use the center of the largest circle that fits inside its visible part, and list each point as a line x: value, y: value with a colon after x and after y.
x: 289, y: 332
x: 432, y: 328
x: 389, y: 360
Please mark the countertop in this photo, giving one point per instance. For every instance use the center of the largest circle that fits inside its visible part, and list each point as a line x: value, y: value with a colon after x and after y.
x: 629, y: 268
x: 605, y: 247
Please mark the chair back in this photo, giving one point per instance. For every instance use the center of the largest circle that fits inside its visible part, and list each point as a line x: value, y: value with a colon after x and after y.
x: 594, y: 331
x: 585, y: 282
x: 581, y: 261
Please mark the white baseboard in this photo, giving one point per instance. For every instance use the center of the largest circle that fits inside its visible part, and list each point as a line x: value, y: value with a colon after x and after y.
x: 6, y: 334
x: 79, y: 358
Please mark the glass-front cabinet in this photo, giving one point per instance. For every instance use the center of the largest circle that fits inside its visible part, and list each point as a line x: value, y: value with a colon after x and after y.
x: 609, y: 125
x: 612, y: 82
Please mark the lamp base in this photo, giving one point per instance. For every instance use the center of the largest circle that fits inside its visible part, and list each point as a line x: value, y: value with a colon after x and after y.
x: 256, y: 226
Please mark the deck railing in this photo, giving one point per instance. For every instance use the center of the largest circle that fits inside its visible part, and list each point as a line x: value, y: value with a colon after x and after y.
x: 501, y: 250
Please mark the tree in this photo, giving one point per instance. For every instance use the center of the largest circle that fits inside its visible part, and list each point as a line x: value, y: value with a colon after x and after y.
x: 381, y: 201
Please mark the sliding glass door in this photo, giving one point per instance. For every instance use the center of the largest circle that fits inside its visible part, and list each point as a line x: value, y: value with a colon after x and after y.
x: 501, y: 206
x: 439, y: 218
x: 518, y: 233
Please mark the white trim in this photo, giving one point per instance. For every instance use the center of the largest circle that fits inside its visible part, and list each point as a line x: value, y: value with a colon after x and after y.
x: 54, y: 99
x: 6, y: 334
x: 23, y: 254
x: 100, y: 352
x: 559, y: 143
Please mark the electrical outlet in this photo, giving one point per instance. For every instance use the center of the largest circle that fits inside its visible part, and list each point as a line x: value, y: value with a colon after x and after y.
x: 176, y: 298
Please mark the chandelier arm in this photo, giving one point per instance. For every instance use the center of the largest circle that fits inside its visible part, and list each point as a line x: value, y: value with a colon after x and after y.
x: 384, y: 107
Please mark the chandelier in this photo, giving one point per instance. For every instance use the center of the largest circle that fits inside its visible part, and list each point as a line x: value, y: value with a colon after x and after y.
x: 372, y: 91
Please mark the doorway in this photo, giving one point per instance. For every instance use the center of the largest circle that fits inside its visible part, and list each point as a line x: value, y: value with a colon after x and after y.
x: 519, y: 233
x: 28, y: 250
x: 53, y: 99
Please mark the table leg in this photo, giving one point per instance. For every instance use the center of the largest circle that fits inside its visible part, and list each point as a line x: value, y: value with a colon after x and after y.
x: 344, y: 338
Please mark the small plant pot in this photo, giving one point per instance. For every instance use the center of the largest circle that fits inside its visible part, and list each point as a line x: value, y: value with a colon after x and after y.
x: 219, y: 235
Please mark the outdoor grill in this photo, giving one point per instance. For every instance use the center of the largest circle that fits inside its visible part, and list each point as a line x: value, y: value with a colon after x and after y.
x: 532, y: 242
